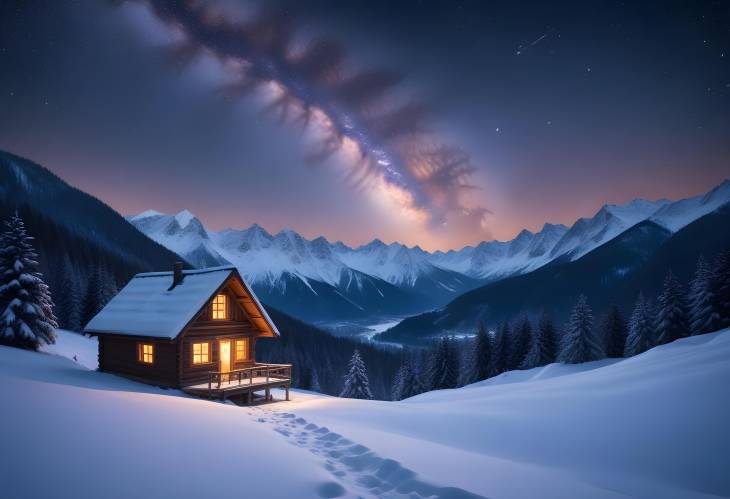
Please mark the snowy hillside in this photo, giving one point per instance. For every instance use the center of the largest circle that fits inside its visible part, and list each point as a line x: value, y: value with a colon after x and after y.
x: 270, y: 260
x: 654, y: 425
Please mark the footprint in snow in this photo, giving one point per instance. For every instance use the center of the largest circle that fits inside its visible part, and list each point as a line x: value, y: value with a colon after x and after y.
x: 366, y: 473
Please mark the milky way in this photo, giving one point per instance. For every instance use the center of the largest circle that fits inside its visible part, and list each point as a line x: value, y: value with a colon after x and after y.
x: 358, y: 114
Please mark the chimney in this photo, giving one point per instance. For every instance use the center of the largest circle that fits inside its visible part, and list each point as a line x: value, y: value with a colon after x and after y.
x: 177, y: 275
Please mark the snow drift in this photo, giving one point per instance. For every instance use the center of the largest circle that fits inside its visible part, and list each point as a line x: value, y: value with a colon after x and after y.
x: 654, y: 425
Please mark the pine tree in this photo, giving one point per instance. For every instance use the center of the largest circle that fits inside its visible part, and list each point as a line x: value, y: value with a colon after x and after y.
x: 396, y: 390
x: 581, y: 344
x: 548, y: 339
x: 109, y: 287
x: 26, y: 307
x: 520, y: 343
x: 700, y: 299
x: 445, y: 370
x: 499, y: 348
x: 357, y: 385
x: 672, y: 319
x: 90, y: 304
x: 542, y: 347
x: 315, y: 381
x: 411, y: 384
x: 406, y: 382
x: 614, y: 331
x: 68, y: 297
x: 720, y: 292
x: 532, y: 357
x: 101, y: 288
x: 641, y: 329
x: 481, y: 358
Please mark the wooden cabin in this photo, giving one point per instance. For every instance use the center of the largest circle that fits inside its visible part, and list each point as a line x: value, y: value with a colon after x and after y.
x: 195, y: 330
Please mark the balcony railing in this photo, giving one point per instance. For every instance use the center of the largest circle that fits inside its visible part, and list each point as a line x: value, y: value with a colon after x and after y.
x: 258, y: 374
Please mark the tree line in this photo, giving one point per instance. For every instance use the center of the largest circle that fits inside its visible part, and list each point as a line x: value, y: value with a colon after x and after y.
x: 677, y: 312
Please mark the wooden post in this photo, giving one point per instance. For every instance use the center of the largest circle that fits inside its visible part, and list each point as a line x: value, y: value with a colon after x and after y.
x: 287, y: 392
x: 267, y: 397
x: 250, y: 397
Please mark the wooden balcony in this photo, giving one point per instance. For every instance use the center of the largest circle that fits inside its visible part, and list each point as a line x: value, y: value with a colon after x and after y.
x: 244, y: 382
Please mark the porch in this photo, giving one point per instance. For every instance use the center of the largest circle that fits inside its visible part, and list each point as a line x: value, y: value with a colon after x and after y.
x: 244, y: 382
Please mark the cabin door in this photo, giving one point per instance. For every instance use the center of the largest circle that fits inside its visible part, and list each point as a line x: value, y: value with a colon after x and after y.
x: 224, y: 347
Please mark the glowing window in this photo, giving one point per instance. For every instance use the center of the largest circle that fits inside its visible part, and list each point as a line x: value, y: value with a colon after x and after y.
x: 201, y: 353
x: 219, y: 307
x: 146, y: 353
x: 241, y: 349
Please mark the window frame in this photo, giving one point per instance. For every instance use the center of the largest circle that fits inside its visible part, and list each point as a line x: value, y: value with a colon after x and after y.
x: 216, y: 308
x: 142, y: 355
x: 246, y: 350
x: 208, y: 354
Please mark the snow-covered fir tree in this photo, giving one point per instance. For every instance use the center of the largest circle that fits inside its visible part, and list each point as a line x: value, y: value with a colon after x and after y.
x: 700, y: 302
x: 520, y: 343
x: 542, y: 347
x: 672, y: 319
x: 641, y: 329
x: 396, y: 389
x: 581, y: 343
x: 480, y: 367
x: 499, y: 348
x: 614, y: 331
x: 445, y: 365
x: 26, y: 307
x: 407, y: 382
x: 720, y: 292
x: 357, y: 385
x: 411, y: 384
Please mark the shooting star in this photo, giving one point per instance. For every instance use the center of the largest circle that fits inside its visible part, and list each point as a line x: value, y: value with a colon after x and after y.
x: 522, y: 48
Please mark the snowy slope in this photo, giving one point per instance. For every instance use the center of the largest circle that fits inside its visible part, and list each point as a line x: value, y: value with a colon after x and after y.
x: 94, y: 435
x: 107, y: 437
x: 676, y: 215
x: 654, y: 425
x: 610, y: 221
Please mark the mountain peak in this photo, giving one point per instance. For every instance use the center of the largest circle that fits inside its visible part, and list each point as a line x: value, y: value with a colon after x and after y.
x: 147, y: 214
x: 257, y: 229
x: 183, y: 218
x: 372, y: 245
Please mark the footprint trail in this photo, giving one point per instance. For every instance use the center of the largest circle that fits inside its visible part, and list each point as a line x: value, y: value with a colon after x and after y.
x: 357, y: 470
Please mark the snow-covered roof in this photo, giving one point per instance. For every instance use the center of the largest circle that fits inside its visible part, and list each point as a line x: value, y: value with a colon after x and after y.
x: 147, y: 307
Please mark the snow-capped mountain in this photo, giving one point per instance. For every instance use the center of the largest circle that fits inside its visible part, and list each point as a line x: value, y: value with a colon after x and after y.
x: 378, y: 278
x: 305, y: 278
x: 610, y: 221
x: 183, y: 232
x: 676, y: 215
x: 491, y: 260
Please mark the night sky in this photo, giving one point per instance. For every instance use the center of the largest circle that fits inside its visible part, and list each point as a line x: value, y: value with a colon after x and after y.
x: 437, y: 123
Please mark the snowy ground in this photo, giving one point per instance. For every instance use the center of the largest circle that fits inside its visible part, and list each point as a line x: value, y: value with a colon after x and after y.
x: 655, y: 425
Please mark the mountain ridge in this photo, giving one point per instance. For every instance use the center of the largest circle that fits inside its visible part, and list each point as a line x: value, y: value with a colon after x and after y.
x: 268, y: 256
